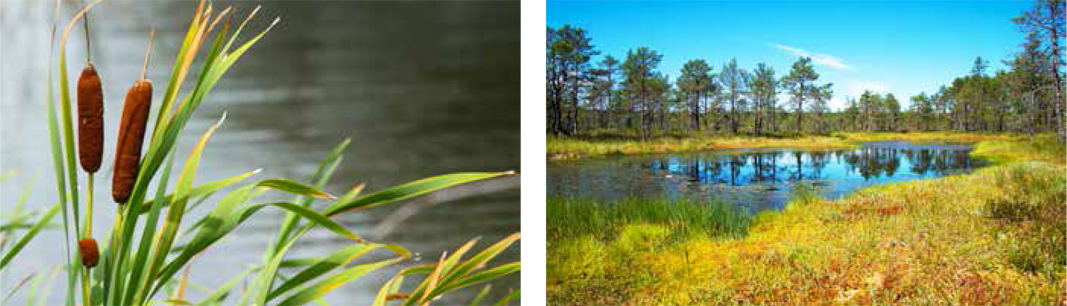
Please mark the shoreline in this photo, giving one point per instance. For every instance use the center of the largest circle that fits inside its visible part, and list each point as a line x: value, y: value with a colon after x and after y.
x: 563, y: 148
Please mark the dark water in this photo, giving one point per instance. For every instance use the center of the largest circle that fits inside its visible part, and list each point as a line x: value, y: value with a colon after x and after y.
x: 758, y: 179
x: 422, y: 88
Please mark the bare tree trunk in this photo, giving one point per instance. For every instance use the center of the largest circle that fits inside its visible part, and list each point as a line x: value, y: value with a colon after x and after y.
x: 1033, y: 110
x: 573, y: 128
x: 800, y: 110
x: 1055, y: 36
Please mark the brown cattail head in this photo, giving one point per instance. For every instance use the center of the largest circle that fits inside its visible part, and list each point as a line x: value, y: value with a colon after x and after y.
x: 90, y: 119
x: 90, y: 254
x: 131, y: 135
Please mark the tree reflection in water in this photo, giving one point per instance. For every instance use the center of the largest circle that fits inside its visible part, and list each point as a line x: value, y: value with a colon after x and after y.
x: 758, y: 178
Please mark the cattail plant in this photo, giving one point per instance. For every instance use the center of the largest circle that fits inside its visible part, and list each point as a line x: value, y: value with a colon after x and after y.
x: 133, y: 268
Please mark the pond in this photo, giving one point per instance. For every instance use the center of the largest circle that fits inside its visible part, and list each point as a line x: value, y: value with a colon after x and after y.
x: 758, y: 179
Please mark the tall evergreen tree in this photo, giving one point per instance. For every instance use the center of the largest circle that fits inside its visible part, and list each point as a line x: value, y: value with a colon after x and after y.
x: 694, y: 83
x: 799, y: 83
x: 569, y: 53
x: 640, y: 80
x: 764, y: 92
x: 892, y: 112
x: 734, y: 82
x: 1047, y: 19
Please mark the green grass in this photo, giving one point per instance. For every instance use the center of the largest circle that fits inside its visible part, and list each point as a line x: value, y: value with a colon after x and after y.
x: 992, y: 237
x: 590, y: 242
x: 1043, y: 148
x: 573, y: 217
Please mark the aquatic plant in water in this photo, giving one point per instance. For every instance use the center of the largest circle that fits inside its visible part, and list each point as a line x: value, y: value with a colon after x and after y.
x: 123, y: 267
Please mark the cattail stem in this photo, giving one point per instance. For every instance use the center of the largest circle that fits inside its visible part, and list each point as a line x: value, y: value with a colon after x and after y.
x: 89, y: 209
x: 90, y: 256
x: 148, y: 52
x: 88, y: 42
x: 86, y: 293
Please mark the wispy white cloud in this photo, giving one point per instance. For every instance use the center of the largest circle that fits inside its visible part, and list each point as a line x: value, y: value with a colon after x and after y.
x: 819, y: 58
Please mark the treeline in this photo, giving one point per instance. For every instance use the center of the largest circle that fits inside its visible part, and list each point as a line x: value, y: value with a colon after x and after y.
x: 633, y: 94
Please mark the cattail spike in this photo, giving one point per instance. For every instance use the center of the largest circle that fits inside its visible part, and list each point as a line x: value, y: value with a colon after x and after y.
x: 89, y: 252
x: 90, y: 119
x: 131, y: 137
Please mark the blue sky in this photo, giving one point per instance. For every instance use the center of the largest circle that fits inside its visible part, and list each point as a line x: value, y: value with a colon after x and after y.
x: 900, y: 47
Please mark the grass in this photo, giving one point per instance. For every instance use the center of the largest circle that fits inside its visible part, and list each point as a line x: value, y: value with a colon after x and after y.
x: 145, y: 268
x: 587, y: 240
x: 603, y: 143
x: 565, y: 148
x: 573, y: 217
x: 992, y: 237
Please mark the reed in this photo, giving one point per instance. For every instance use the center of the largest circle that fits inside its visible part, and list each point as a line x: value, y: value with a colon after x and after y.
x: 149, y: 244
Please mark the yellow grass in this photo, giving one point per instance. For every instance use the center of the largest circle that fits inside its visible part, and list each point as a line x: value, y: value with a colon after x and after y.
x: 567, y: 148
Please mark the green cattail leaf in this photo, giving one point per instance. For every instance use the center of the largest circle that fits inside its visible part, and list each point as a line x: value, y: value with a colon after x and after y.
x: 201, y: 190
x: 479, y: 277
x: 221, y: 221
x: 442, y: 269
x: 481, y: 295
x: 321, y: 288
x: 394, y: 284
x: 335, y: 260
x: 482, y: 258
x: 320, y: 177
x: 177, y: 207
x: 507, y: 299
x: 225, y: 218
x: 311, y: 215
x: 216, y: 297
x: 296, y: 188
x: 411, y: 189
x: 40, y: 224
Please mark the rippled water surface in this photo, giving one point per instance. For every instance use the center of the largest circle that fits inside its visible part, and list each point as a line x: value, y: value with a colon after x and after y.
x: 422, y: 88
x: 759, y: 179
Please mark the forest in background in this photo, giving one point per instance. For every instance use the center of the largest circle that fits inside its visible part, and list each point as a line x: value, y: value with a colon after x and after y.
x: 631, y: 95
